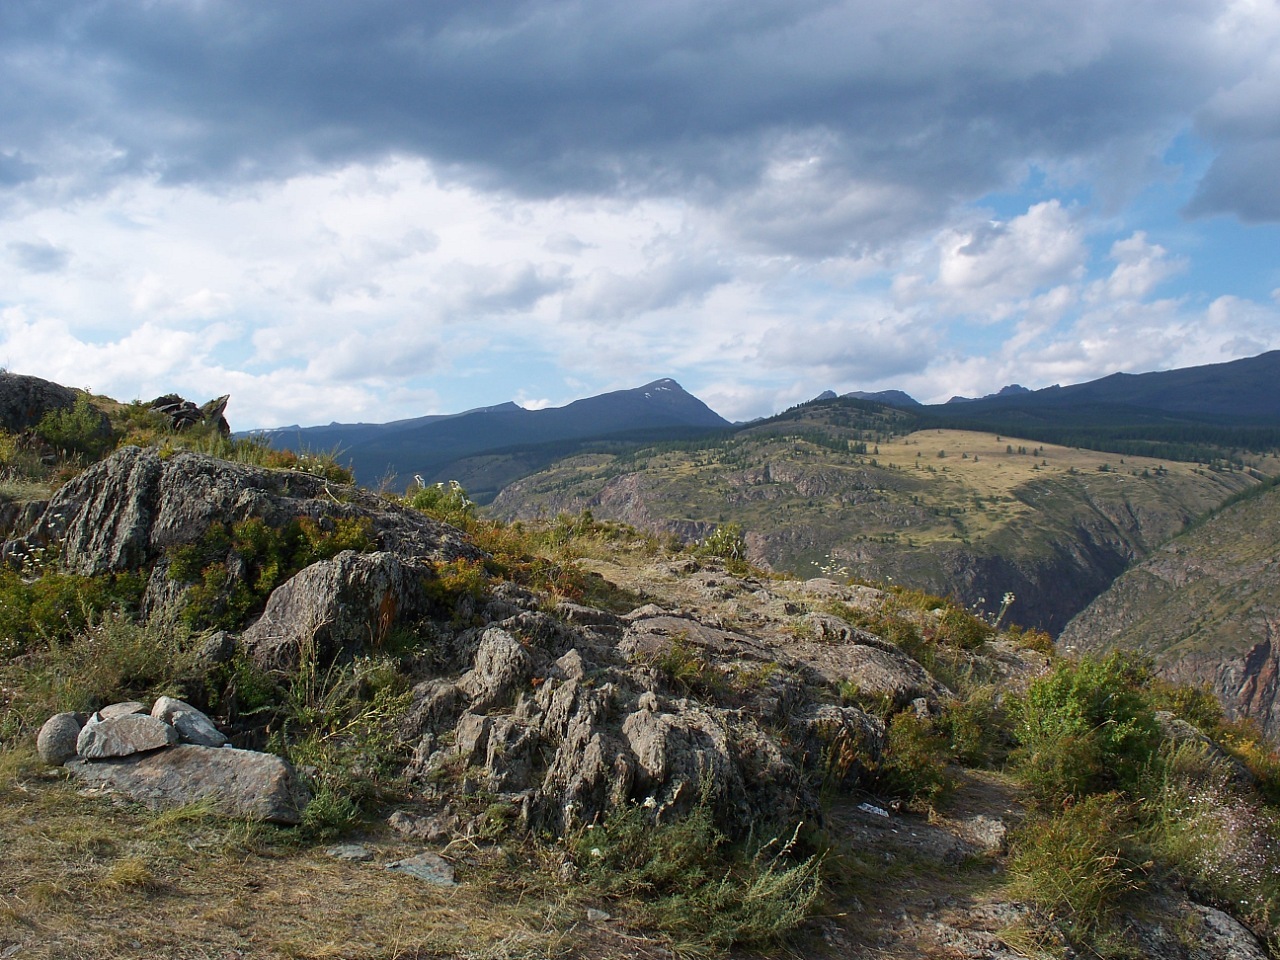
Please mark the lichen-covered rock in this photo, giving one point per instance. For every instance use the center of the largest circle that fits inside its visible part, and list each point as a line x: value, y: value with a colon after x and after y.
x: 123, y: 736
x: 56, y: 741
x: 239, y: 783
x: 502, y: 666
x: 886, y: 672
x: 122, y: 709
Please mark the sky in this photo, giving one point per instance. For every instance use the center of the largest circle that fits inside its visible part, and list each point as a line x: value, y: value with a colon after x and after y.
x: 339, y: 211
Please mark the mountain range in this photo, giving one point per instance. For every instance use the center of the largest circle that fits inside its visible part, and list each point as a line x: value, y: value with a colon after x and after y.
x: 1191, y: 413
x: 427, y: 446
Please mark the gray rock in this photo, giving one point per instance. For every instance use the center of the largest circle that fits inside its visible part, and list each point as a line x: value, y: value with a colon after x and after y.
x: 892, y: 673
x: 501, y: 667
x: 434, y: 829
x: 25, y: 400
x: 123, y: 512
x: 218, y: 647
x: 344, y: 604
x: 123, y: 709
x: 240, y: 783
x: 56, y: 741
x: 1223, y: 938
x: 123, y: 736
x: 351, y: 852
x: 192, y: 725
x: 680, y: 754
x: 428, y: 866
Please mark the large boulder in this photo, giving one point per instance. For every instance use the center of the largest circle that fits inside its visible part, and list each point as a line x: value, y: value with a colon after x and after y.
x: 125, y: 511
x: 238, y: 783
x: 25, y: 400
x: 348, y: 603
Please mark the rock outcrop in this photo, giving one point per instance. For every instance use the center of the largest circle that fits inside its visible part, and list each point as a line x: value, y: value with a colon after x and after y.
x: 25, y: 400
x: 126, y: 511
x: 183, y: 414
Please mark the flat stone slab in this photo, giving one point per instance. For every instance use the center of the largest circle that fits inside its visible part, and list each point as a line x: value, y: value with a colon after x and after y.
x: 352, y: 852
x: 241, y: 783
x: 123, y: 736
x: 430, y: 867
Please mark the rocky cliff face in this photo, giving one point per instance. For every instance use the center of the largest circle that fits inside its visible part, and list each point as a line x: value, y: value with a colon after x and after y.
x: 1206, y: 606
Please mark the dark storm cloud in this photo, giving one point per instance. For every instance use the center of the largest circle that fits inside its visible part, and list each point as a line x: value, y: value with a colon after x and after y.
x: 904, y: 108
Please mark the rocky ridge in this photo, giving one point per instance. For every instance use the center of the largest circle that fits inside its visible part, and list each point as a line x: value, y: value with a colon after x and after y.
x: 534, y: 713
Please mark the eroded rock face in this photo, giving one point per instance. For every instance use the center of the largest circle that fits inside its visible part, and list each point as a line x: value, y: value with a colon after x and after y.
x: 566, y: 719
x: 240, y: 783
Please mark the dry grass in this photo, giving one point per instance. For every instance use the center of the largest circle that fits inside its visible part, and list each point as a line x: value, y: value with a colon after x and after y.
x: 89, y: 876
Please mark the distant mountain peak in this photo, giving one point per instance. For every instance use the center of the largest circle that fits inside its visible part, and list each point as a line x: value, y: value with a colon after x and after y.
x: 890, y: 398
x: 824, y: 395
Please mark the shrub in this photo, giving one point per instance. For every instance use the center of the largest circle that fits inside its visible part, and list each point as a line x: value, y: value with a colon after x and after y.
x: 914, y: 765
x: 112, y: 658
x: 56, y: 607
x: 80, y: 430
x: 1087, y: 727
x: 234, y: 568
x: 338, y: 726
x: 1221, y: 840
x: 685, y: 880
x: 448, y: 503
x: 958, y: 627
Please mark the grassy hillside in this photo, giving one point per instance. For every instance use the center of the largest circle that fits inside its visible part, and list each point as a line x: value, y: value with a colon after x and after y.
x: 855, y: 489
x: 1205, y: 606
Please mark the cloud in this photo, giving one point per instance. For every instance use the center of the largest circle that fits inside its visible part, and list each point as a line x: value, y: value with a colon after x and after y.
x: 981, y: 269
x: 39, y: 257
x: 893, y: 113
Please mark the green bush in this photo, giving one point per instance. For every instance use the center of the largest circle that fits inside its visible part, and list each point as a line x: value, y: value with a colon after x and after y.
x: 233, y: 569
x: 447, y: 502
x: 80, y: 430
x: 683, y: 879
x: 1087, y: 727
x: 339, y: 726
x: 56, y: 607
x: 914, y: 766
x: 112, y: 658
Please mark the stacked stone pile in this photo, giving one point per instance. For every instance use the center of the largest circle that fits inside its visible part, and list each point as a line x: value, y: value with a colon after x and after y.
x: 169, y: 757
